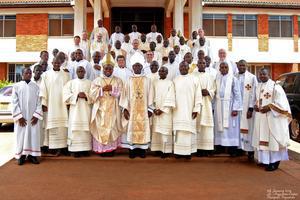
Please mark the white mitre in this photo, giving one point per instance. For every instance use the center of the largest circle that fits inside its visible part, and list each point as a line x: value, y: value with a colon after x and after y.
x: 137, y: 58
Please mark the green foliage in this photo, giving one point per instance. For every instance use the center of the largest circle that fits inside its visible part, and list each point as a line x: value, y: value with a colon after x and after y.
x: 4, y: 83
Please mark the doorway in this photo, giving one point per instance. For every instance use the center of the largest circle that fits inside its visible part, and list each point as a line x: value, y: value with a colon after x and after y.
x: 142, y: 17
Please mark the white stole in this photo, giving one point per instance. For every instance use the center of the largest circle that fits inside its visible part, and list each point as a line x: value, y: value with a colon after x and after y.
x: 223, y: 118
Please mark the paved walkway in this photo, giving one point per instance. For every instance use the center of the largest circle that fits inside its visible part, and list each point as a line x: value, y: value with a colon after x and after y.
x: 151, y: 178
x: 6, y: 147
x: 217, y: 177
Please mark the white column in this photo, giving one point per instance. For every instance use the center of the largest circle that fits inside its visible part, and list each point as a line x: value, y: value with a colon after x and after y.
x: 97, y: 11
x: 195, y: 15
x: 79, y: 17
x: 178, y: 16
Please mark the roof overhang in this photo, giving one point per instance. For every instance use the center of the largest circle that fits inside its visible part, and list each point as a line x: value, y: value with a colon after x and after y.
x: 34, y: 3
x: 253, y: 3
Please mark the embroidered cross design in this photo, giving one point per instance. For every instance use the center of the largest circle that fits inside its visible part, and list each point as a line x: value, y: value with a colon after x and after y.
x: 248, y: 87
x: 139, y: 95
x: 267, y: 95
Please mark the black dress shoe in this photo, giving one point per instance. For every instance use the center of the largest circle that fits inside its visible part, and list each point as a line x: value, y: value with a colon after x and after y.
x: 219, y: 149
x: 21, y: 160
x: 65, y: 152
x: 142, y: 153
x: 158, y: 153
x: 76, y: 154
x: 276, y: 164
x: 132, y: 154
x: 85, y: 153
x: 270, y: 167
x: 108, y: 154
x: 44, y: 149
x: 199, y: 153
x: 205, y: 153
x: 177, y: 156
x: 33, y: 159
x: 233, y: 151
x: 250, y: 156
x: 188, y: 157
x: 165, y: 155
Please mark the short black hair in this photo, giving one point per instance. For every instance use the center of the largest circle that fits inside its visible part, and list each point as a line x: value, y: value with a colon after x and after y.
x: 120, y: 56
x: 25, y: 69
x: 37, y: 66
x: 44, y: 51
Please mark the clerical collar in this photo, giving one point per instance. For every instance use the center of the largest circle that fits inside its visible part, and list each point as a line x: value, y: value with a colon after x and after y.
x: 104, y: 76
x: 225, y: 75
x: 138, y: 75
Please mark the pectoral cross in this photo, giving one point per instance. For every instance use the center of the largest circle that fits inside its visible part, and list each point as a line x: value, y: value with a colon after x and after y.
x: 267, y: 95
x: 248, y: 87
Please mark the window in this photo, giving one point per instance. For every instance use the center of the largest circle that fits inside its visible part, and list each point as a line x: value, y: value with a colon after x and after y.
x: 215, y: 24
x: 7, y: 26
x: 254, y: 69
x: 15, y: 71
x: 299, y: 25
x: 288, y: 85
x: 61, y: 25
x: 280, y: 26
x: 244, y: 25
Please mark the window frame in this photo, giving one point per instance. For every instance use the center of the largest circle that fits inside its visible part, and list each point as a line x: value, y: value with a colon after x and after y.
x: 255, y: 67
x: 61, y: 18
x: 14, y: 79
x: 216, y: 16
x: 280, y: 25
x: 298, y: 25
x: 3, y: 19
x: 245, y: 24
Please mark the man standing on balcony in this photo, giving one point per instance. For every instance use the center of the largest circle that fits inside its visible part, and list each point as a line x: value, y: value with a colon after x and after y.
x: 85, y: 45
x: 151, y: 37
x: 100, y: 29
x: 134, y: 34
x: 116, y: 36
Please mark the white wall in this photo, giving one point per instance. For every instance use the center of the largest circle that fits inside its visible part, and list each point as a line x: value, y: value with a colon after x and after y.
x: 280, y: 50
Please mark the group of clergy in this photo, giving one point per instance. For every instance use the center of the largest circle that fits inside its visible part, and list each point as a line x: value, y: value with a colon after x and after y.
x: 172, y: 104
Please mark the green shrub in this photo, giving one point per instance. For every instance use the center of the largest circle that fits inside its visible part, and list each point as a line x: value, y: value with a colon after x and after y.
x: 4, y: 83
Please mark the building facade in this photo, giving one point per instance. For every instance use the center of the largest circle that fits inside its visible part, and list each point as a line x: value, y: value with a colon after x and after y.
x: 265, y: 33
